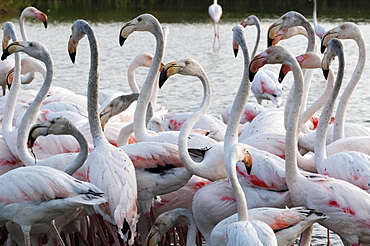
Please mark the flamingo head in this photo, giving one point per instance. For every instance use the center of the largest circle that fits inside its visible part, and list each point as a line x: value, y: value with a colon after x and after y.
x: 347, y: 30
x: 144, y: 22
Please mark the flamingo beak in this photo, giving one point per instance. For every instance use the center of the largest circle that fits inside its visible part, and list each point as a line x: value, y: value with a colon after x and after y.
x: 12, y: 48
x: 168, y: 70
x: 283, y: 72
x: 257, y: 62
x: 125, y: 31
x: 42, y: 17
x: 235, y: 48
x: 72, y: 48
x: 248, y: 161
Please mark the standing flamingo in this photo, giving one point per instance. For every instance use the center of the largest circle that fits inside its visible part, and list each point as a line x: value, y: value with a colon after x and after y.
x: 344, y: 204
x: 108, y: 167
x: 147, y: 22
x: 215, y: 11
x: 319, y: 29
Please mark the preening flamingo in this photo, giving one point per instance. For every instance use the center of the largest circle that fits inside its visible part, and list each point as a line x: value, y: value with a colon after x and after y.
x: 108, y: 167
x: 166, y: 220
x: 344, y: 204
x: 215, y: 11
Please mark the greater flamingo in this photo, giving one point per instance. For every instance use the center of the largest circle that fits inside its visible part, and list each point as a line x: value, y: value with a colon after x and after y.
x: 265, y: 85
x: 215, y: 12
x: 147, y: 22
x: 118, y: 180
x: 166, y: 220
x: 39, y: 194
x: 319, y: 29
x: 344, y: 204
x: 244, y: 231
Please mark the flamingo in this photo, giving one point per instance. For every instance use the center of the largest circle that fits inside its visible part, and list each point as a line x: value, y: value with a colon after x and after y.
x: 28, y: 66
x: 319, y: 29
x: 41, y: 194
x: 347, y: 30
x: 340, y: 128
x: 118, y: 180
x: 345, y: 204
x: 29, y: 12
x: 287, y: 223
x: 147, y: 22
x: 265, y: 85
x: 166, y: 220
x: 354, y: 166
x: 244, y: 231
x: 215, y: 12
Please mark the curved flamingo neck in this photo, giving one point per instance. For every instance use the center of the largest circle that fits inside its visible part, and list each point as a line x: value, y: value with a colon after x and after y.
x: 309, y: 112
x: 258, y: 26
x: 232, y: 157
x: 131, y: 77
x: 11, y: 100
x: 146, y: 91
x: 327, y: 111
x: 93, y: 88
x: 340, y: 115
x: 30, y: 115
x: 82, y: 154
x: 190, y: 122
x: 291, y: 169
x: 241, y: 98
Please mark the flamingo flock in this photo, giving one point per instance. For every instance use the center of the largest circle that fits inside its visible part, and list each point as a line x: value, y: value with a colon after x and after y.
x: 114, y: 168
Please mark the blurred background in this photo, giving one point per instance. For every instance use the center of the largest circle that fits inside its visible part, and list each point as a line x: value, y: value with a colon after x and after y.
x: 177, y: 11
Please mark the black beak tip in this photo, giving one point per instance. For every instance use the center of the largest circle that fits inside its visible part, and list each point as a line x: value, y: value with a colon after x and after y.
x: 121, y: 40
x: 326, y: 73
x: 46, y: 24
x: 249, y: 169
x: 269, y: 41
x: 236, y: 52
x: 251, y: 76
x: 162, y: 78
x: 281, y: 74
x: 5, y: 54
x: 72, y: 55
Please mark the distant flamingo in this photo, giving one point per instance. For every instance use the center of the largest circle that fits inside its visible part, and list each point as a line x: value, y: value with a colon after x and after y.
x: 215, y: 11
x: 119, y: 180
x: 343, y: 203
x: 319, y: 29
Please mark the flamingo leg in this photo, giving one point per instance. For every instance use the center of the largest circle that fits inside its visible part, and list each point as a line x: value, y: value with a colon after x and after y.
x: 56, y: 233
x: 26, y: 232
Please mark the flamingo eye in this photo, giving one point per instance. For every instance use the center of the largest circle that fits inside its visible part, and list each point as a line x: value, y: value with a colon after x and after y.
x: 139, y: 19
x: 274, y: 95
